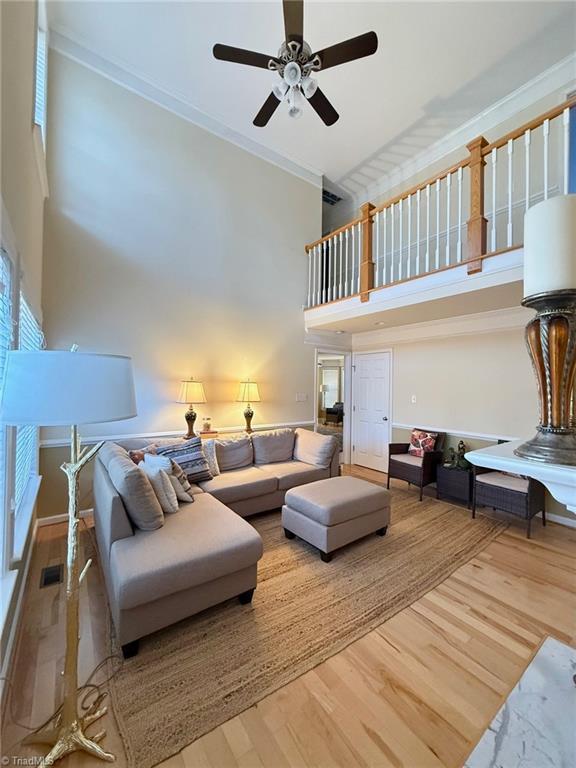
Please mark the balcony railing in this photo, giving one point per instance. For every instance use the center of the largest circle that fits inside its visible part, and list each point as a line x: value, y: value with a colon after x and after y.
x: 472, y: 210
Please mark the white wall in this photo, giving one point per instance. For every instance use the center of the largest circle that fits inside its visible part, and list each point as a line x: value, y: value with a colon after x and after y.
x: 173, y: 246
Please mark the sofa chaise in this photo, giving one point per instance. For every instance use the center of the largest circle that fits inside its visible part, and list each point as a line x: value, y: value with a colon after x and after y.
x: 206, y: 552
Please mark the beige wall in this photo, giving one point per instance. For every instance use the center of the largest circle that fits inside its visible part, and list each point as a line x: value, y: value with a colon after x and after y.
x: 173, y: 246
x: 21, y: 187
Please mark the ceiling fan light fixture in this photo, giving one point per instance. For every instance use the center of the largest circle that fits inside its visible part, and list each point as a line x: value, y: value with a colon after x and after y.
x: 309, y: 87
x: 280, y: 90
x: 292, y: 73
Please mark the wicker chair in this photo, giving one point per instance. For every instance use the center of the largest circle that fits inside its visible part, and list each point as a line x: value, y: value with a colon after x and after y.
x: 518, y: 496
x: 415, y: 470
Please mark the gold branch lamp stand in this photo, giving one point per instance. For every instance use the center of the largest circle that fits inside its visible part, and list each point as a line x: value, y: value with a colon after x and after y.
x: 52, y: 388
x: 550, y: 289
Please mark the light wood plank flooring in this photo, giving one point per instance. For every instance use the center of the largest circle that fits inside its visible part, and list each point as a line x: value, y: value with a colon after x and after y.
x: 416, y: 692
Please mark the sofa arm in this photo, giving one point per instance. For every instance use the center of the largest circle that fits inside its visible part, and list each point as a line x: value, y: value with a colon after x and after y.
x: 398, y: 448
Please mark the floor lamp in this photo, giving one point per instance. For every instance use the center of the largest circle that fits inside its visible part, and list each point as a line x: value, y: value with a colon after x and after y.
x: 49, y: 388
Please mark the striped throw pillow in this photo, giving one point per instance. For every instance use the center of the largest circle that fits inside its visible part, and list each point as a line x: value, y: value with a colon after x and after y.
x: 190, y: 456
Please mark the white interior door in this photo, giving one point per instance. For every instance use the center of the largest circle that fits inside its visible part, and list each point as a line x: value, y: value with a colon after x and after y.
x: 371, y: 410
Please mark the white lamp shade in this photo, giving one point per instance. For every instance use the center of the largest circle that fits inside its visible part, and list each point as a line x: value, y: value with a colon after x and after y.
x: 191, y: 392
x: 550, y: 245
x: 48, y: 388
x: 248, y: 392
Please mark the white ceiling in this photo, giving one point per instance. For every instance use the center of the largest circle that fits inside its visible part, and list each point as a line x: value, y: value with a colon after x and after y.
x: 437, y: 66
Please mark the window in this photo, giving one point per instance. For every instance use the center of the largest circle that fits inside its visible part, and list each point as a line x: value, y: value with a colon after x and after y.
x: 6, y: 336
x: 29, y: 337
x: 40, y: 82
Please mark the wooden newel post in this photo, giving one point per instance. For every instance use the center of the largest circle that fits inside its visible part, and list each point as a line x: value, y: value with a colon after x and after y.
x: 477, y: 223
x: 366, y: 264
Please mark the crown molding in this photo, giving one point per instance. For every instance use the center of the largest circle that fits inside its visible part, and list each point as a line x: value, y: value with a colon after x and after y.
x: 65, y: 44
x: 494, y: 321
x: 561, y: 75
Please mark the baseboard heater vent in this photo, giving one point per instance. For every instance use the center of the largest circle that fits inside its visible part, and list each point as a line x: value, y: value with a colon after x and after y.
x: 52, y: 574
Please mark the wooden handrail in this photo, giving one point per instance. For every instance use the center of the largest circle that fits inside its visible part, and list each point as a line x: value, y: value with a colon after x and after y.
x: 536, y: 122
x: 330, y: 235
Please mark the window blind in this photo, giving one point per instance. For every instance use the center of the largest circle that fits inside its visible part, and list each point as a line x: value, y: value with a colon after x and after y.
x: 40, y: 85
x: 29, y: 338
x: 6, y: 335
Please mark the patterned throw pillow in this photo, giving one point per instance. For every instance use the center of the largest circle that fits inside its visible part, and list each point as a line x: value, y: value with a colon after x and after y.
x: 210, y: 453
x: 175, y: 473
x: 422, y: 442
x: 163, y: 488
x: 190, y: 456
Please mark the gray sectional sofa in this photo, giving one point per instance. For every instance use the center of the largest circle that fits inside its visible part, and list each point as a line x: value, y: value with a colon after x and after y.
x: 206, y: 552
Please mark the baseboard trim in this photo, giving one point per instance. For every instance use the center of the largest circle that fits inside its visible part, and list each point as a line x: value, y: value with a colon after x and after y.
x: 41, y: 522
x: 567, y: 522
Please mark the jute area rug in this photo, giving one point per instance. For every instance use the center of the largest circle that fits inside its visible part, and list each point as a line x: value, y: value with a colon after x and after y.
x: 195, y: 675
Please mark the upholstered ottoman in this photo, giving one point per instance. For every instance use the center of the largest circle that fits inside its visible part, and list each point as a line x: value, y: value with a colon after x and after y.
x: 331, y: 513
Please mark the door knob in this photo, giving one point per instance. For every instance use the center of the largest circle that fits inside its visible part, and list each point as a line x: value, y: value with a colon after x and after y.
x: 384, y: 418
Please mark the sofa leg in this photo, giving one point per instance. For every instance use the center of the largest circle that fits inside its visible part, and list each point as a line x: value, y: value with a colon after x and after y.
x: 130, y: 649
x: 421, y: 491
x: 382, y: 531
x: 326, y: 556
x: 388, y: 481
x: 246, y: 597
x: 289, y: 534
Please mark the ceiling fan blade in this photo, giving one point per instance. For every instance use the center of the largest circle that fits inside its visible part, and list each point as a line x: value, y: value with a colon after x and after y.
x: 266, y: 111
x: 241, y: 56
x: 294, y: 20
x: 355, y: 48
x: 323, y: 107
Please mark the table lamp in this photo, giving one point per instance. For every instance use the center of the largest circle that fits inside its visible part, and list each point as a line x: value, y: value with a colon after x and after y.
x: 550, y: 288
x: 49, y: 388
x: 191, y: 392
x: 248, y: 393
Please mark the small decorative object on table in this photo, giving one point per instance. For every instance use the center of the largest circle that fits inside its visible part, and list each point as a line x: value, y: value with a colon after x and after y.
x: 248, y: 393
x: 207, y: 424
x: 191, y: 392
x: 550, y: 288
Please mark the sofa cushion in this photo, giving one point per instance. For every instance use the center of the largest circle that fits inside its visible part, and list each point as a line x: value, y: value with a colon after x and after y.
x: 503, y: 480
x: 210, y: 453
x: 133, y: 487
x: 190, y: 456
x: 407, y: 458
x: 203, y: 542
x: 338, y: 499
x: 234, y: 453
x: 273, y: 445
x: 292, y: 473
x: 163, y: 488
x: 313, y: 448
x: 239, y: 484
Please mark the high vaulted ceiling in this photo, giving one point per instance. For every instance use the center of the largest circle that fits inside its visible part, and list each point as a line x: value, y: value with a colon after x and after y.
x: 437, y: 66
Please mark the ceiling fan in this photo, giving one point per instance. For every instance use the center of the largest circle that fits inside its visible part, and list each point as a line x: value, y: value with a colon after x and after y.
x: 295, y: 64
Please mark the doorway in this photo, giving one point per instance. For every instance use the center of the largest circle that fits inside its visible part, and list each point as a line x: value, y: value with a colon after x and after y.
x: 372, y: 411
x: 332, y: 397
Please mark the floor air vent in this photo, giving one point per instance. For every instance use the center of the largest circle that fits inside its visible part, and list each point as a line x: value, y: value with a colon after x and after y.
x: 52, y: 574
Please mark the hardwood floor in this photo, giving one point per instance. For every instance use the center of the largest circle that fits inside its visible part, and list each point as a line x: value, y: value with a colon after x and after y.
x: 417, y: 692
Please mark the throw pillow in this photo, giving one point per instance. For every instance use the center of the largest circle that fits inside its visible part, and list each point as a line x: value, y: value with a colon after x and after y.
x: 210, y: 453
x: 422, y: 442
x: 137, y: 455
x: 234, y: 453
x: 190, y: 456
x: 163, y: 488
x: 133, y: 487
x: 175, y: 473
x: 273, y: 446
x: 313, y: 448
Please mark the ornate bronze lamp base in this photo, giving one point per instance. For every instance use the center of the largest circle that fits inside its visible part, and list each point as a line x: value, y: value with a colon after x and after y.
x: 551, y: 340
x: 248, y: 413
x: 190, y: 417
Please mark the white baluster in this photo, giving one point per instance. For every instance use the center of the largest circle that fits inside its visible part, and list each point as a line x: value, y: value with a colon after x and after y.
x: 353, y: 275
x: 417, y: 271
x: 329, y: 280
x: 309, y: 254
x: 527, y: 167
x: 392, y: 244
x: 347, y: 265
x: 566, y: 147
x: 448, y: 187
x: 335, y: 268
x: 385, y: 212
x: 494, y: 157
x: 359, y: 253
x: 546, y: 133
x: 377, y: 226
x: 427, y: 228
x: 341, y: 286
x: 324, y: 265
x: 437, y: 223
x: 401, y: 238
x: 510, y: 190
x: 319, y: 279
x: 459, y: 243
x: 408, y: 270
